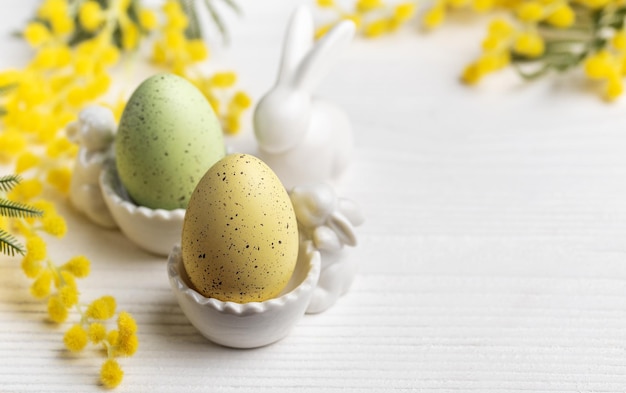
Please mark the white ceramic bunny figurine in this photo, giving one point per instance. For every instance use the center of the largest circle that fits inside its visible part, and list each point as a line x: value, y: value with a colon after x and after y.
x: 93, y: 131
x: 328, y: 221
x: 302, y: 138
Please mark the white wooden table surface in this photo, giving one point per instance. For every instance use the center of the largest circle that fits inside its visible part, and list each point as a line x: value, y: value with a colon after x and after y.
x: 493, y: 258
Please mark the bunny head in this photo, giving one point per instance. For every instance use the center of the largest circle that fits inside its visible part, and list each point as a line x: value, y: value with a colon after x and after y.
x: 325, y: 218
x: 283, y: 117
x: 95, y: 128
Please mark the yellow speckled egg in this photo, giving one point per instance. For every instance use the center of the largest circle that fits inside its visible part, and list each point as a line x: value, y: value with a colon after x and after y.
x: 240, y: 235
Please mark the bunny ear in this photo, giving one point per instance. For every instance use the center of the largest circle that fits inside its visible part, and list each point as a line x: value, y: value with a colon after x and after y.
x: 298, y: 42
x: 325, y: 52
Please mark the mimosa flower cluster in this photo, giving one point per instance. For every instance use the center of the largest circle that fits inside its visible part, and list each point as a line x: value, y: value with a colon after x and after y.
x: 557, y: 35
x: 36, y: 221
x: 77, y: 43
x: 117, y: 342
x: 373, y: 18
x: 76, y: 46
x: 534, y: 37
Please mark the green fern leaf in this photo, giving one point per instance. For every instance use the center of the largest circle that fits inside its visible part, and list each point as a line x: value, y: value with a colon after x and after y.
x: 193, y: 30
x: 233, y: 6
x: 17, y: 210
x: 7, y: 182
x: 9, y: 244
x: 217, y: 19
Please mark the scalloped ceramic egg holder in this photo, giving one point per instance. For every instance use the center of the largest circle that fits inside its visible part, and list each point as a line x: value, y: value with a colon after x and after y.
x: 154, y: 230
x: 321, y: 275
x: 253, y: 324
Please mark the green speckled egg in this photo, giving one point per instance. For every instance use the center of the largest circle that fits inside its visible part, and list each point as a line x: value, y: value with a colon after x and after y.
x: 167, y: 138
x: 240, y: 235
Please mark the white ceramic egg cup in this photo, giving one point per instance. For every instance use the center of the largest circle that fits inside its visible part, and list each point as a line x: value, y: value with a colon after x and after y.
x: 253, y: 324
x: 322, y: 275
x: 93, y: 131
x: 97, y: 192
x: 154, y: 230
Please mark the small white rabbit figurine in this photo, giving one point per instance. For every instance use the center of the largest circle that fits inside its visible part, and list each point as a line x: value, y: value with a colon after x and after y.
x: 328, y: 221
x: 94, y: 132
x: 302, y: 138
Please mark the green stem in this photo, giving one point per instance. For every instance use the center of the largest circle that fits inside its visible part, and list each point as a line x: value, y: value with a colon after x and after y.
x: 531, y: 75
x: 110, y: 349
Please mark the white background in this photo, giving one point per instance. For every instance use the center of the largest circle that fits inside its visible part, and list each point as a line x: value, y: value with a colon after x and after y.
x: 493, y: 257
